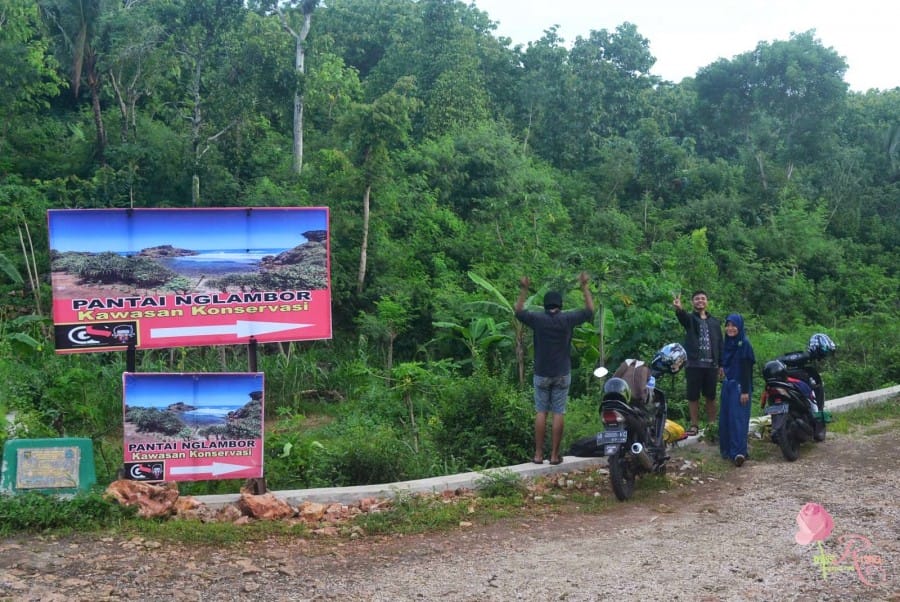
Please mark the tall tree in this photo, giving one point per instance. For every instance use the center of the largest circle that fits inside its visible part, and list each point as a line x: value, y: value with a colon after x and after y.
x: 27, y: 69
x: 208, y: 48
x: 134, y: 59
x: 544, y: 89
x: 299, y: 32
x: 377, y: 129
x: 778, y: 105
x: 77, y: 23
x: 610, y: 76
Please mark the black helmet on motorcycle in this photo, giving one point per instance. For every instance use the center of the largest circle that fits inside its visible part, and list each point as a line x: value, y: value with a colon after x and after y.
x: 669, y: 359
x: 617, y: 388
x: 774, y: 370
x: 820, y: 346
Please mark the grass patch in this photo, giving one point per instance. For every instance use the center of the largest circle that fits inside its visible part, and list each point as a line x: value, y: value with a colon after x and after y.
x: 706, y: 458
x: 762, y: 450
x: 859, y: 419
x: 33, y: 512
x: 649, y: 485
x: 502, y: 483
x: 212, y: 533
x: 413, y: 514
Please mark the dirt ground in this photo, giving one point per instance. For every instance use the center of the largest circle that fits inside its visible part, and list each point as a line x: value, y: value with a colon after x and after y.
x: 724, y: 538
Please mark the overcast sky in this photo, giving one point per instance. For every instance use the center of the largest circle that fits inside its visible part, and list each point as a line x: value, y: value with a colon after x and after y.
x: 686, y: 35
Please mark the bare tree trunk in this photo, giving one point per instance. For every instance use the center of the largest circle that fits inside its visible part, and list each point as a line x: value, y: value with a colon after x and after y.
x: 195, y: 189
x: 520, y: 356
x: 412, y: 421
x: 297, y: 164
x: 126, y: 97
x: 390, y: 356
x: 299, y: 66
x: 601, y: 334
x: 31, y: 266
x: 762, y: 171
x: 94, y: 84
x: 123, y: 107
x: 364, y: 247
x: 196, y: 123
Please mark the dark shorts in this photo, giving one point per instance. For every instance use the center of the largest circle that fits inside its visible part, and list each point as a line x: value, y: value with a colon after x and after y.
x: 701, y: 380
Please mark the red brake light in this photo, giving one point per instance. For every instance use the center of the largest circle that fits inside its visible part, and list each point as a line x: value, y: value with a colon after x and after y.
x: 611, y: 417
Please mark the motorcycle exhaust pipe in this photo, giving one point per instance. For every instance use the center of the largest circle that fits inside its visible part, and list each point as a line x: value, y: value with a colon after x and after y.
x: 641, y: 454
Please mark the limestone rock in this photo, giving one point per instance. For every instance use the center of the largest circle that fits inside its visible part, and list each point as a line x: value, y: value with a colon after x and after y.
x: 265, y: 506
x: 311, y: 512
x: 153, y: 500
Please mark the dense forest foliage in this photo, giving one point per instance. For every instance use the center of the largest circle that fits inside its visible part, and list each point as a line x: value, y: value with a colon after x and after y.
x: 453, y: 163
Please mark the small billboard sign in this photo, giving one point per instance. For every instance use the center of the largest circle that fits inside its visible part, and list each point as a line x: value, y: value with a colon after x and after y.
x: 193, y: 426
x: 188, y: 277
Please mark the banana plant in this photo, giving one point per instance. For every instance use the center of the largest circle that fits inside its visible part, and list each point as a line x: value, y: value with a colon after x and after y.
x: 507, y: 306
x: 480, y: 336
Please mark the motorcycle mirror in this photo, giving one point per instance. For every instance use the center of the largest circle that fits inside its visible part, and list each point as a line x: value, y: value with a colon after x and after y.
x: 601, y: 372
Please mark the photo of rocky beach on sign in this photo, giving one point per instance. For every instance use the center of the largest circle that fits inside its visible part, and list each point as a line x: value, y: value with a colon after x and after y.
x: 184, y: 407
x: 109, y: 253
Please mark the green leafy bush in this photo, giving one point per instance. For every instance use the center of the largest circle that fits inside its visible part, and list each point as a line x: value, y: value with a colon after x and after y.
x: 359, y: 451
x: 33, y: 512
x: 502, y: 483
x: 484, y: 422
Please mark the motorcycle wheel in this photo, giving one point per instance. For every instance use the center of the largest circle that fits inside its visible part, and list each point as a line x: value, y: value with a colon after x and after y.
x: 819, y: 431
x: 777, y: 427
x: 621, y: 476
x: 790, y: 447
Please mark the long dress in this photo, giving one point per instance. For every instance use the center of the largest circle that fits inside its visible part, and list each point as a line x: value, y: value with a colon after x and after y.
x: 734, y: 417
x: 734, y: 421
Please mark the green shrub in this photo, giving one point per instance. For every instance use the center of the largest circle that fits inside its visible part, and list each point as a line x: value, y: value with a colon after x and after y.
x: 483, y: 422
x: 502, y: 483
x: 359, y: 451
x: 34, y: 512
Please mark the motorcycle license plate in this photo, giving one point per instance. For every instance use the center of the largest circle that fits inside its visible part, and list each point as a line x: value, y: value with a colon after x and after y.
x: 778, y: 408
x: 612, y: 437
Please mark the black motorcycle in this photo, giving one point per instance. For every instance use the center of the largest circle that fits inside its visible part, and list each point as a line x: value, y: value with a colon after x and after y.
x: 794, y: 396
x: 633, y: 412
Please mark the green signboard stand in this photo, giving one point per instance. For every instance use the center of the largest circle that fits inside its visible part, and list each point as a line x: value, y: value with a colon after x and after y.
x: 64, y: 465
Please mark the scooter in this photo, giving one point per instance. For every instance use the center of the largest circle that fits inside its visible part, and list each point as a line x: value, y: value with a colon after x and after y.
x: 633, y: 412
x: 794, y: 396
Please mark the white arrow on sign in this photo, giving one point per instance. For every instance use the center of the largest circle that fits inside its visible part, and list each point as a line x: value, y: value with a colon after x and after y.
x: 216, y: 468
x: 241, y: 328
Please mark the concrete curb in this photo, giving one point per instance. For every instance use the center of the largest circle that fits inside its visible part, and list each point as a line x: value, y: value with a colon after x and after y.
x: 470, y: 480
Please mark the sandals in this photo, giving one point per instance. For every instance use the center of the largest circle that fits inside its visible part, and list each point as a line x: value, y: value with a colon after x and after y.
x: 556, y: 462
x: 536, y: 461
x: 693, y: 431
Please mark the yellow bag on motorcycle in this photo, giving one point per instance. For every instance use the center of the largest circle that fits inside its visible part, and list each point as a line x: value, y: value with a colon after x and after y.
x: 673, y: 432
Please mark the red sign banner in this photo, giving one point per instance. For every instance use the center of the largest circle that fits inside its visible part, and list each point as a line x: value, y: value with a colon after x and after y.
x: 188, y: 277
x: 193, y: 427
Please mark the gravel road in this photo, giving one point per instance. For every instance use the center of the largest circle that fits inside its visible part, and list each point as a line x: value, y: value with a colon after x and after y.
x: 718, y: 539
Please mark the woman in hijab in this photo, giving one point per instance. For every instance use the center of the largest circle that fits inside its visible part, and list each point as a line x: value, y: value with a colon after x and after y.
x: 734, y: 412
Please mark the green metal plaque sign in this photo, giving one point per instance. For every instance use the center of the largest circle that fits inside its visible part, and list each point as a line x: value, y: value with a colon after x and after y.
x: 64, y: 465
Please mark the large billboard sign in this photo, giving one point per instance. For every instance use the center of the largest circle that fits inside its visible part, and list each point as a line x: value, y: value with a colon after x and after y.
x: 193, y: 427
x: 186, y: 277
